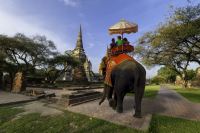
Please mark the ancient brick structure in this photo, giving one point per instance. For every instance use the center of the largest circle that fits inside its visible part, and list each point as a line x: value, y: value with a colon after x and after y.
x: 84, y: 71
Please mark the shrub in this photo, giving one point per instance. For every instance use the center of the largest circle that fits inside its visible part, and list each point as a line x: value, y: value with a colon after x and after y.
x: 158, y: 80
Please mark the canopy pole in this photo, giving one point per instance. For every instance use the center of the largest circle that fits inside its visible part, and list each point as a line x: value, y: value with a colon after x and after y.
x: 122, y: 35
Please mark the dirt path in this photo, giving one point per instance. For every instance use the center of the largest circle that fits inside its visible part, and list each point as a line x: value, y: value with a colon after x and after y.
x: 170, y: 103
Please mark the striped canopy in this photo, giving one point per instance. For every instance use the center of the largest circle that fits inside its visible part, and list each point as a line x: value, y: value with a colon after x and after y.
x: 123, y: 27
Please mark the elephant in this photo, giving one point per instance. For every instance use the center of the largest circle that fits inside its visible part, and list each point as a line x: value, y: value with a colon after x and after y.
x: 126, y: 77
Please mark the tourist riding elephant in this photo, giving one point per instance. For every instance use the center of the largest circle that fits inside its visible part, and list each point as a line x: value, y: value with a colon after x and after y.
x: 126, y: 77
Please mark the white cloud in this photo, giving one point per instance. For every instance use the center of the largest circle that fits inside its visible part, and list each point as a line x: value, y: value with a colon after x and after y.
x: 12, y: 23
x: 72, y: 3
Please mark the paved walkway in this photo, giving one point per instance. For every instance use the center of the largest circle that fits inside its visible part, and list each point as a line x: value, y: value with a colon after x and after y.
x: 12, y: 98
x: 126, y: 118
x: 167, y: 102
x: 170, y: 103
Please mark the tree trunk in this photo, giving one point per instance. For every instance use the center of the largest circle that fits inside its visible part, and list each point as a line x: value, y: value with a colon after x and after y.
x: 1, y: 81
x: 12, y: 76
x: 185, y: 84
x: 185, y: 79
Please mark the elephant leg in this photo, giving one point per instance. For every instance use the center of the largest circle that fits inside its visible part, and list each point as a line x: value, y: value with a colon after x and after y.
x: 137, y: 106
x: 138, y: 100
x: 120, y: 98
x: 109, y: 93
x: 113, y: 102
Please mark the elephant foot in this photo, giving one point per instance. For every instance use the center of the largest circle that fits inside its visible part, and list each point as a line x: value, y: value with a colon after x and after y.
x: 137, y: 115
x: 119, y: 110
x: 112, y: 103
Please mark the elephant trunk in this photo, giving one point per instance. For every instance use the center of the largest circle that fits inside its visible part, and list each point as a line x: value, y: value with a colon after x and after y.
x: 107, y: 92
x: 104, y: 96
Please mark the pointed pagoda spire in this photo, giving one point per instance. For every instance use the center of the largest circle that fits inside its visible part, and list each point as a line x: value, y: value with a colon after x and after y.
x: 79, y: 52
x: 79, y: 43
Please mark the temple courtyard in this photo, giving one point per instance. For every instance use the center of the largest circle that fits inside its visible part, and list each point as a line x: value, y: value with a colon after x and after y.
x: 163, y: 109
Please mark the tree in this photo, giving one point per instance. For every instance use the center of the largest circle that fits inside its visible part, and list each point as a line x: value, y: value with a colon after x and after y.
x: 191, y: 74
x: 188, y: 19
x: 11, y: 69
x: 6, y: 65
x: 157, y: 80
x: 25, y: 53
x: 1, y: 70
x: 175, y: 43
x: 56, y: 66
x: 168, y: 74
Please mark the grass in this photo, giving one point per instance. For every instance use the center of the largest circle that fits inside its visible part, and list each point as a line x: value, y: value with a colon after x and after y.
x: 164, y: 124
x: 7, y: 113
x: 66, y: 123
x: 150, y: 91
x: 192, y: 94
x: 75, y: 123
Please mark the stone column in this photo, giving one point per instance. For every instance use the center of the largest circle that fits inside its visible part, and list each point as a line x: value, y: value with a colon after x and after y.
x: 17, y: 83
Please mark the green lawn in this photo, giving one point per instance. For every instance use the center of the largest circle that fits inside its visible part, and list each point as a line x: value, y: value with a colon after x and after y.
x: 66, y: 123
x: 164, y: 124
x: 150, y: 91
x: 75, y: 123
x: 192, y: 94
x: 7, y: 113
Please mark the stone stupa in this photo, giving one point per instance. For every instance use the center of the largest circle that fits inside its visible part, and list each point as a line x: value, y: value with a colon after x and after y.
x: 79, y: 72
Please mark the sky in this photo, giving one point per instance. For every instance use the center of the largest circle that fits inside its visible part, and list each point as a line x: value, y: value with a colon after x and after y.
x: 59, y: 21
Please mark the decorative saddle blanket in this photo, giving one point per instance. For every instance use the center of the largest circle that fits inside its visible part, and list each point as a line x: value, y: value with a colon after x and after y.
x: 122, y: 49
x: 112, y: 62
